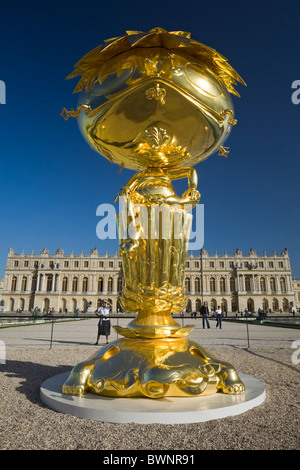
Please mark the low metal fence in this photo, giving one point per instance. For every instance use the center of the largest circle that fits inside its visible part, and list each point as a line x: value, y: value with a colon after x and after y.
x: 10, y: 319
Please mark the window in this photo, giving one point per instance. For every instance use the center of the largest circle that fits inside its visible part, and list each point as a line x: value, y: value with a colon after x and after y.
x: 100, y: 284
x: 196, y: 264
x: 280, y: 264
x: 221, y: 264
x: 212, y: 284
x: 271, y: 264
x: 65, y: 284
x: 110, y: 284
x: 74, y: 284
x: 197, y: 284
x: 13, y: 286
x: 34, y: 283
x: 211, y: 264
x: 86, y: 264
x: 187, y: 264
x: 85, y: 283
x: 24, y: 283
x: 275, y: 305
x: 36, y: 264
x: 66, y: 264
x: 247, y: 284
x: 119, y: 284
x: 272, y: 284
x: 282, y: 284
x: 110, y: 264
x: 16, y: 264
x: 232, y: 286
x: 263, y: 284
x: 49, y: 284
x: 222, y: 284
x: 26, y: 264
x: 261, y: 264
x: 101, y: 264
x: 187, y: 284
x: 76, y: 264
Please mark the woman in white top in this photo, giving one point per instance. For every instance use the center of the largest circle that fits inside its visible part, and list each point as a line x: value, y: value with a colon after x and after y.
x: 219, y: 317
x: 104, y: 322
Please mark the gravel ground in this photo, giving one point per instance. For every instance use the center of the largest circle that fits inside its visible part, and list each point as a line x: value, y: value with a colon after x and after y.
x: 27, y: 424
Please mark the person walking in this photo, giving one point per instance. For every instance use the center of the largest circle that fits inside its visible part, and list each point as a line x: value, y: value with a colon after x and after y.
x: 219, y: 317
x: 104, y: 321
x: 204, y: 313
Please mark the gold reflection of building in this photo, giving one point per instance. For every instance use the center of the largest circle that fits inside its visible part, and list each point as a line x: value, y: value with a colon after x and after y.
x: 69, y: 282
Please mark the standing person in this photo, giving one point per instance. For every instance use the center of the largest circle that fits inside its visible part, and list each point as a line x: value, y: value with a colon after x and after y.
x: 219, y: 317
x: 104, y: 322
x: 204, y: 312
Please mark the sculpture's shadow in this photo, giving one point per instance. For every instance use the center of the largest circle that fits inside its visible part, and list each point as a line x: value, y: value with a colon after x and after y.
x: 32, y: 375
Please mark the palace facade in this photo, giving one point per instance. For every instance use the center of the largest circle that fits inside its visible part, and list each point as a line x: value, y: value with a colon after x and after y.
x: 69, y: 282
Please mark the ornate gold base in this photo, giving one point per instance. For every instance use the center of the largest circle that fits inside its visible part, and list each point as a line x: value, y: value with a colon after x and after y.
x: 155, y: 368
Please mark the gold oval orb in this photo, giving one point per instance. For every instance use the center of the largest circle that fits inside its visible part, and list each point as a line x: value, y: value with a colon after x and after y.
x: 155, y: 99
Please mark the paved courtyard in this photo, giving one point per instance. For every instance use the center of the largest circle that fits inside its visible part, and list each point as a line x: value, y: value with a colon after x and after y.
x: 34, y: 353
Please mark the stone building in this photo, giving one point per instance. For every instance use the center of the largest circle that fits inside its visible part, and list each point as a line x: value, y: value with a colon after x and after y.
x: 67, y: 282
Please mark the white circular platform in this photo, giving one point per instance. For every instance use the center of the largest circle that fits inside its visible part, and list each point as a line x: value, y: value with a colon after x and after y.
x: 169, y: 410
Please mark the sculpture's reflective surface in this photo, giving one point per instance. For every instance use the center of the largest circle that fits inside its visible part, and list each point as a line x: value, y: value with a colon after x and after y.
x: 158, y: 103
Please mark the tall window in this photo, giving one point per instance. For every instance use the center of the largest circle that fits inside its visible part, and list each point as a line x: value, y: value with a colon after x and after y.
x: 282, y: 284
x: 13, y: 286
x: 263, y: 284
x: 197, y: 285
x: 275, y: 305
x: 24, y: 283
x: 84, y: 284
x: 49, y: 284
x: 100, y: 284
x: 247, y: 284
x: 34, y: 283
x: 65, y: 284
x: 232, y: 286
x: 212, y: 284
x: 272, y: 284
x: 187, y: 284
x: 222, y: 284
x: 110, y: 284
x: 119, y: 284
x: 74, y: 284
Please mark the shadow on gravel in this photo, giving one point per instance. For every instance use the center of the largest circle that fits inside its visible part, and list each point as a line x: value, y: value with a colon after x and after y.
x: 33, y: 376
x: 255, y: 353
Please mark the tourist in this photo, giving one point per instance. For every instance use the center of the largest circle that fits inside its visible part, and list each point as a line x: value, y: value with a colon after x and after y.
x: 104, y: 321
x: 219, y: 317
x: 204, y: 312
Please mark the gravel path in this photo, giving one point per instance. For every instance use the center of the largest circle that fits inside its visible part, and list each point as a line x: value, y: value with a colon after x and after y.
x: 27, y: 424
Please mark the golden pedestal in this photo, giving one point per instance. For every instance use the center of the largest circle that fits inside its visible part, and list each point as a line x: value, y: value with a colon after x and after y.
x: 157, y: 103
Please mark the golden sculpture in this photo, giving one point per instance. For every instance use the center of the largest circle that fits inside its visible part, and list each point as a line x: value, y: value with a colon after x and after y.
x: 157, y: 103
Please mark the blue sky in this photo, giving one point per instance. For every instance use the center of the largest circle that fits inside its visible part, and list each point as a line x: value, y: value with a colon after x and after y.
x: 52, y: 182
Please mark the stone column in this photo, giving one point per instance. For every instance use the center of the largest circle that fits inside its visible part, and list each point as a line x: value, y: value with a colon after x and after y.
x: 253, y: 282
x: 53, y: 283
x: 43, y: 284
